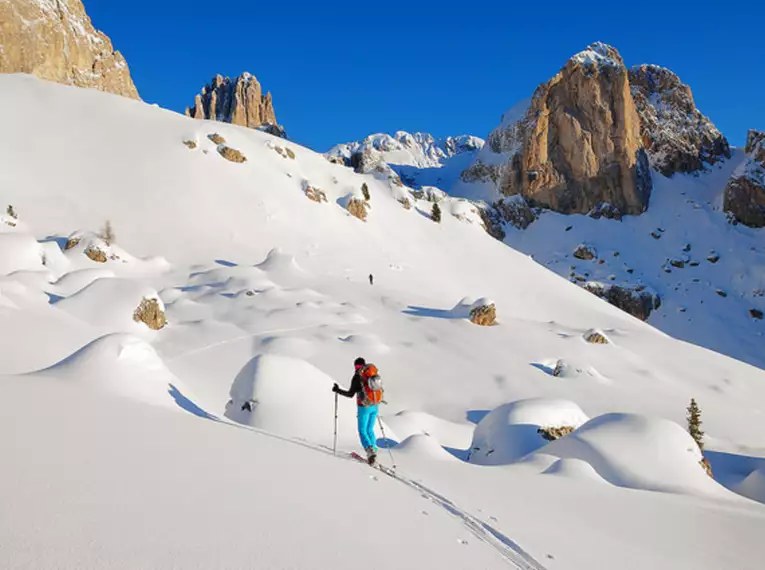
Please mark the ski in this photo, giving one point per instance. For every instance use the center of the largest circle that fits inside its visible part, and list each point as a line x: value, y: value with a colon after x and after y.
x: 376, y: 465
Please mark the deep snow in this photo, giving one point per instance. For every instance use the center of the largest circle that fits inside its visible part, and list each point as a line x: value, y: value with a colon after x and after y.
x: 129, y: 448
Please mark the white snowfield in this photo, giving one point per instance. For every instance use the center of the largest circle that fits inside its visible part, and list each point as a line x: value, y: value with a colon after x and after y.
x: 208, y: 443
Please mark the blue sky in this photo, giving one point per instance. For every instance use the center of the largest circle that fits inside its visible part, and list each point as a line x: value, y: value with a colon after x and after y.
x: 341, y: 70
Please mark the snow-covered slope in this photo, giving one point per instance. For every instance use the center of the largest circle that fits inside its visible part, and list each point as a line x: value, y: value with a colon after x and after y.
x: 136, y: 448
x: 708, y: 274
x: 418, y: 158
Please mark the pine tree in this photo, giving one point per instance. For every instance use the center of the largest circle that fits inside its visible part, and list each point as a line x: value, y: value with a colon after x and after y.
x: 11, y: 212
x: 365, y: 191
x: 107, y: 233
x: 435, y: 213
x: 694, y: 424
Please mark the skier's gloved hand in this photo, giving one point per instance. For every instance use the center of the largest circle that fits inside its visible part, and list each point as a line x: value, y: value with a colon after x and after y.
x: 335, y: 388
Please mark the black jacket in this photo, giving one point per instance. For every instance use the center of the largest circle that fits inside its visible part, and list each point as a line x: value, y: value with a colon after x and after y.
x: 355, y: 387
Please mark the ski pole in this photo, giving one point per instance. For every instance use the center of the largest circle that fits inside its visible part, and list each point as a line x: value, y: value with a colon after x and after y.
x: 387, y: 443
x: 334, y: 445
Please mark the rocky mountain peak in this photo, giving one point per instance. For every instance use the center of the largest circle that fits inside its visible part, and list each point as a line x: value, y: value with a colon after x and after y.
x: 676, y: 135
x: 239, y: 101
x: 576, y: 144
x: 598, y: 54
x: 55, y: 40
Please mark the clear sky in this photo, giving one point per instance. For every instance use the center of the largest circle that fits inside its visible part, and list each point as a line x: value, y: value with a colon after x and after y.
x: 339, y: 71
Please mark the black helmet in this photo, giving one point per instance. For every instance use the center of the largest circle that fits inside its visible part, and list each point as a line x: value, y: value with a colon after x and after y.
x: 359, y: 362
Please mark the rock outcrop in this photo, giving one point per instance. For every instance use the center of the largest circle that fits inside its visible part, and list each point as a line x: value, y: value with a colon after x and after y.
x: 55, y: 40
x: 551, y: 433
x: 637, y: 301
x: 677, y: 137
x: 576, y: 145
x: 484, y: 315
x: 239, y: 101
x: 231, y: 154
x: 745, y: 191
x: 595, y: 337
x: 151, y: 313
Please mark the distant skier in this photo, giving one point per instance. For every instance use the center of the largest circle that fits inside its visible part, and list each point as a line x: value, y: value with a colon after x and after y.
x: 371, y: 279
x: 367, y: 387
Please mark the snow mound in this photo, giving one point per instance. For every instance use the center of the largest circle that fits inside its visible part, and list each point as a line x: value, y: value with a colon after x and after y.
x: 280, y: 262
x: 19, y: 252
x: 573, y: 469
x: 84, y: 246
x: 23, y: 289
x: 289, y: 346
x: 421, y: 446
x: 753, y: 486
x: 462, y: 309
x: 232, y: 279
x: 110, y: 304
x: 289, y: 397
x: 639, y: 452
x: 367, y: 343
x: 121, y: 364
x: 509, y: 432
x: 409, y: 423
x: 75, y: 281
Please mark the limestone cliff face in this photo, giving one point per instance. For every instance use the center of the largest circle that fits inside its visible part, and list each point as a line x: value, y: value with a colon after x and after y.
x: 578, y: 143
x: 239, y: 101
x: 745, y: 192
x: 676, y: 135
x: 55, y: 40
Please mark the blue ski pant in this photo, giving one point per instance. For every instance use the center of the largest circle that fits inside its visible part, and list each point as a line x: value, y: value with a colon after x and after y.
x: 367, y: 417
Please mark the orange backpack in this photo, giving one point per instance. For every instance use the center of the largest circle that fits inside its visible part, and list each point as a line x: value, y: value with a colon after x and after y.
x: 371, y: 386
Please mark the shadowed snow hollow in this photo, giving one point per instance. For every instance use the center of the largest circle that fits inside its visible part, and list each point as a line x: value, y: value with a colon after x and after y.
x: 289, y: 397
x: 640, y: 452
x: 121, y: 364
x: 509, y: 432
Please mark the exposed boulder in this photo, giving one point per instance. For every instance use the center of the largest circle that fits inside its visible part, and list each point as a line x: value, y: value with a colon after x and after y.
x: 231, y: 154
x: 216, y: 138
x: 637, y: 301
x: 484, y: 315
x: 56, y: 41
x: 357, y: 207
x: 150, y: 313
x: 595, y: 337
x: 191, y: 144
x: 313, y: 193
x: 96, y: 254
x: 576, y: 145
x: 676, y: 135
x: 239, y: 101
x: 585, y: 252
x: 551, y: 433
x: 745, y: 192
x: 755, y: 314
x: 605, y: 210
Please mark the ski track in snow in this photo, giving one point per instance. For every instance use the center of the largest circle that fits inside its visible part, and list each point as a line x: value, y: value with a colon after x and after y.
x: 510, y: 550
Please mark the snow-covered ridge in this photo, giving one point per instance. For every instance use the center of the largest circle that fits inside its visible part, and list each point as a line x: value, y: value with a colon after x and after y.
x: 410, y: 149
